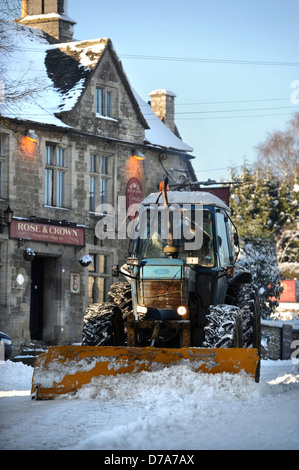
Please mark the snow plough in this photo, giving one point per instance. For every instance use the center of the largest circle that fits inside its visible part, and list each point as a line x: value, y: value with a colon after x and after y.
x: 185, y: 300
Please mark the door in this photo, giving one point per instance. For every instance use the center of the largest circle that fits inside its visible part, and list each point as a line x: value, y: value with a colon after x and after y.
x: 37, y: 299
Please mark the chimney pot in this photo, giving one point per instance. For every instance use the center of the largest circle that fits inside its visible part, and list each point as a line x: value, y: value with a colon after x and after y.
x: 162, y: 104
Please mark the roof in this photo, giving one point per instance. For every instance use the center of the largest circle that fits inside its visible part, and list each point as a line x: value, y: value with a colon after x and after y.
x: 158, y: 133
x: 186, y: 197
x: 61, y: 73
x: 69, y: 66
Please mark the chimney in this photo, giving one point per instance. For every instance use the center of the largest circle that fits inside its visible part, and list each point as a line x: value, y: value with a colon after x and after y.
x: 162, y: 104
x: 24, y: 8
x: 50, y: 16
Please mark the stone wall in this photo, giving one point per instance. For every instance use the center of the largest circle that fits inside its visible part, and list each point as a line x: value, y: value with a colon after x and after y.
x: 278, y: 339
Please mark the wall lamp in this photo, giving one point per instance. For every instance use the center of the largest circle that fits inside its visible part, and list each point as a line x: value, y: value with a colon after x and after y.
x: 6, y: 219
x: 29, y: 254
x: 31, y: 135
x: 85, y: 260
x: 138, y: 155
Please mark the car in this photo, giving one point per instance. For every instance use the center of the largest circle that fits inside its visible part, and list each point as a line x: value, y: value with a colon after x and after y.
x: 6, y: 341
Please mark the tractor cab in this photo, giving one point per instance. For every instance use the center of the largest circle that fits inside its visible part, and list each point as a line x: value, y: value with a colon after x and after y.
x: 183, y: 258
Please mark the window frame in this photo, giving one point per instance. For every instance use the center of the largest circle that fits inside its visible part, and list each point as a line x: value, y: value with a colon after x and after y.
x: 3, y: 167
x: 55, y: 175
x: 98, y: 180
x: 103, y: 101
x: 97, y: 277
x: 225, y: 259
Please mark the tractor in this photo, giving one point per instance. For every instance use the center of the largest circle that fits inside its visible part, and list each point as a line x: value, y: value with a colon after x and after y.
x: 185, y: 299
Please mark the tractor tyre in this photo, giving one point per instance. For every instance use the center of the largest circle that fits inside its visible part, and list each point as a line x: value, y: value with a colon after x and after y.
x: 246, y: 298
x: 120, y: 293
x: 224, y: 328
x: 103, y: 325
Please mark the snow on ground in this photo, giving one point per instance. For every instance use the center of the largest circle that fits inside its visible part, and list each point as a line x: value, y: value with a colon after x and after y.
x: 172, y: 409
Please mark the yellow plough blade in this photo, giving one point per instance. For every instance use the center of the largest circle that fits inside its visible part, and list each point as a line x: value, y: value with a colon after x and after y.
x: 65, y: 369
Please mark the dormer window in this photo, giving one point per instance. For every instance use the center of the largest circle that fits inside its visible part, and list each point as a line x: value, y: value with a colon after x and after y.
x: 103, y: 102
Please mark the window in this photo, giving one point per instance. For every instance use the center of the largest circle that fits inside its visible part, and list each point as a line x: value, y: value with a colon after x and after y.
x: 153, y: 233
x: 223, y: 245
x: 108, y: 103
x: 99, y: 101
x: 97, y: 278
x: 55, y: 176
x: 3, y: 169
x: 98, y: 180
x: 103, y: 102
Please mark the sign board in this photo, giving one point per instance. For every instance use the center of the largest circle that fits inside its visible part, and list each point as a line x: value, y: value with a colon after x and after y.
x: 47, y: 233
x: 289, y: 291
x: 134, y: 195
x: 222, y: 193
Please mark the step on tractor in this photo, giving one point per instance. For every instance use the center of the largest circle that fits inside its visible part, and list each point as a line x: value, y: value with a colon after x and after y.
x: 184, y: 300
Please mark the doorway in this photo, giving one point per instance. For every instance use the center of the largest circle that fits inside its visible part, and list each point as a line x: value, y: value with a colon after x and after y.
x: 37, y: 298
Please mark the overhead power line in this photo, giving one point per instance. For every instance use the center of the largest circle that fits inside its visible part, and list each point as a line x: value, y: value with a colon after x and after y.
x: 210, y: 61
x: 232, y: 101
x: 193, y: 59
x: 234, y: 117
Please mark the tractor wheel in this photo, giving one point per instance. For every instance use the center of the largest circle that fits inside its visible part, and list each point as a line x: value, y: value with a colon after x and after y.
x: 103, y: 325
x: 224, y: 328
x: 246, y: 298
x: 120, y: 293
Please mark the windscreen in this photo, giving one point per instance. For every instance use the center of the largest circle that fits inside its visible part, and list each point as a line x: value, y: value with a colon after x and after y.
x: 189, y: 228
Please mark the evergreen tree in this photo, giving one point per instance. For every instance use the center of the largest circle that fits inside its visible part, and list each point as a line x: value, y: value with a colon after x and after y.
x: 255, y: 211
x: 258, y: 255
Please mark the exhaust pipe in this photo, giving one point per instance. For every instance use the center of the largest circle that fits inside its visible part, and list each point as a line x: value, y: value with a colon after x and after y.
x: 171, y: 249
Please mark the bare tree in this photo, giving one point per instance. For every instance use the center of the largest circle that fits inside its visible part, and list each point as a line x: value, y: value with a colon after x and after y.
x: 15, y: 90
x: 10, y: 9
x: 280, y: 152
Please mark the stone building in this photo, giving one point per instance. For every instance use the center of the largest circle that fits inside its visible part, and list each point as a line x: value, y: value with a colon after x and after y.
x: 87, y: 139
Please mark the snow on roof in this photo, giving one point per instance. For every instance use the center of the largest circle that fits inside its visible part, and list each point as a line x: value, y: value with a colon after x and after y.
x: 186, y: 197
x: 159, y: 134
x: 24, y: 68
x: 60, y: 73
x: 87, y: 53
x: 47, y: 16
x: 162, y: 92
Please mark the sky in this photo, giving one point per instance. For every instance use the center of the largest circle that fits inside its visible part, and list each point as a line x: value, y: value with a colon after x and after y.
x: 228, y: 62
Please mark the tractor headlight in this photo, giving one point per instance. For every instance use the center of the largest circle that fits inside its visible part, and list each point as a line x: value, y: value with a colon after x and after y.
x: 141, y: 309
x: 182, y: 310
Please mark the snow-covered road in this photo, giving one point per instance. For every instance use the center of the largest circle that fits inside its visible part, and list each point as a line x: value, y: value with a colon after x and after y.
x: 173, y: 409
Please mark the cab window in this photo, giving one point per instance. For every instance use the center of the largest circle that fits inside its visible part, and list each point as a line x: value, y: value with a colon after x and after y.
x: 223, y: 244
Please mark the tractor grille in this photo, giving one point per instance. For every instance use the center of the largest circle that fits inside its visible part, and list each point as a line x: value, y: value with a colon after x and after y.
x: 163, y: 294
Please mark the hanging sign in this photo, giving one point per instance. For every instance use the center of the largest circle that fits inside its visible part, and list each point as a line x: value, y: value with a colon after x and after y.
x: 134, y: 195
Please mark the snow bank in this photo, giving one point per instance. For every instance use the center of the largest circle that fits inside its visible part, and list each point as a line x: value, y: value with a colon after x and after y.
x: 163, y: 385
x: 15, y: 376
x: 170, y: 383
